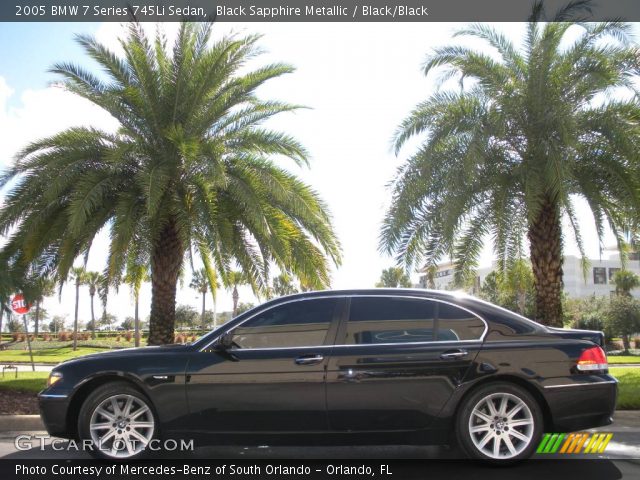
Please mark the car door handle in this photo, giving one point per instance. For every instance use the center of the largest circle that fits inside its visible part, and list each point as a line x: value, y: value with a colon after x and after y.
x: 309, y: 359
x: 454, y: 354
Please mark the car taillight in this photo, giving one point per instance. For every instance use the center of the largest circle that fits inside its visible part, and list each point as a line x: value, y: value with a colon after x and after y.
x: 591, y: 359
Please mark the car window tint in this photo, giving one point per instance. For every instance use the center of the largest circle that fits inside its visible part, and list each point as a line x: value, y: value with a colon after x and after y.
x: 375, y: 320
x: 294, y: 324
x: 457, y: 324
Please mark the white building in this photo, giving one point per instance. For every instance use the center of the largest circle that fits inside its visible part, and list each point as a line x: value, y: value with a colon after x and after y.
x: 599, y: 280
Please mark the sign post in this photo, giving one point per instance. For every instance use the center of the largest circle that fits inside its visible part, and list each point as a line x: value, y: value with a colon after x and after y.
x: 20, y: 307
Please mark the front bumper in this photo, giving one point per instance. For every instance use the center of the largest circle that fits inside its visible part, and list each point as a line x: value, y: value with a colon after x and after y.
x: 53, y: 412
x: 579, y: 405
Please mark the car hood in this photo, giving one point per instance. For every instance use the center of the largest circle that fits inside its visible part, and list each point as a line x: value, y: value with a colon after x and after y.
x: 125, y: 352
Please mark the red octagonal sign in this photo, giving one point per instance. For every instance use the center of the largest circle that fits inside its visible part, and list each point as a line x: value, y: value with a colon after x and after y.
x: 19, y: 305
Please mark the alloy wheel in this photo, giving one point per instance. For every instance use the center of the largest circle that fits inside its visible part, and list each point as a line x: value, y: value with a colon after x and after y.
x: 121, y: 426
x: 501, y: 426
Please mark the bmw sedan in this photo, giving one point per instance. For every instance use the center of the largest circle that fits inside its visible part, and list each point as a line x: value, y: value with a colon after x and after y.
x: 343, y: 367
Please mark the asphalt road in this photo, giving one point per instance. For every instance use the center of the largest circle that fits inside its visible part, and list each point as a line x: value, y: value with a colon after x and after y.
x: 620, y: 460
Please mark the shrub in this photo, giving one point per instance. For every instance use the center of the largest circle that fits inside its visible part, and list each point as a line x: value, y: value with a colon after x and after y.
x: 63, y: 336
x: 623, y: 318
x: 118, y: 338
x: 15, y: 336
x: 128, y: 336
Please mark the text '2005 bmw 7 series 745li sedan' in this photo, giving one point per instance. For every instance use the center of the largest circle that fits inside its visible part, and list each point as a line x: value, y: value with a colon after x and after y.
x: 343, y: 367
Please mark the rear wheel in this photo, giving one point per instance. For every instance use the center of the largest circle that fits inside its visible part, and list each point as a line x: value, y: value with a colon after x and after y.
x: 118, y: 421
x: 501, y: 423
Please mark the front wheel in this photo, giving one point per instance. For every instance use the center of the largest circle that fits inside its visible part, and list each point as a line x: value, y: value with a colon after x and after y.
x: 118, y: 421
x: 500, y: 423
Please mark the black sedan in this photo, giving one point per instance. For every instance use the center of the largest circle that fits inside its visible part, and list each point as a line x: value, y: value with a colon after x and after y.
x: 343, y: 367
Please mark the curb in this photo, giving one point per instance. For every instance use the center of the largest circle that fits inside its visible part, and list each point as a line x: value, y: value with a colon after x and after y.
x: 21, y: 423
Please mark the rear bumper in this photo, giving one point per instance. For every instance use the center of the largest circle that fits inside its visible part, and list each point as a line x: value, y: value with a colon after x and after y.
x: 53, y: 411
x: 579, y: 404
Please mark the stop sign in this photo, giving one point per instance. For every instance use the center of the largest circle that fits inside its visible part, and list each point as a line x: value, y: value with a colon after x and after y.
x: 18, y: 304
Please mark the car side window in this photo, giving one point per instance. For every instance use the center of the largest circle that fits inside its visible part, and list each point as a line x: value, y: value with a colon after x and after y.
x: 377, y: 320
x: 295, y: 324
x: 458, y: 324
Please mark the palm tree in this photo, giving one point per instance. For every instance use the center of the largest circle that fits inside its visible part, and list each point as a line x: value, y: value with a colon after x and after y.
x: 233, y: 280
x: 78, y: 274
x: 189, y: 170
x: 625, y: 281
x: 135, y: 276
x: 45, y: 288
x: 283, y: 284
x: 509, y: 150
x: 93, y: 280
x: 394, y: 277
x: 201, y: 282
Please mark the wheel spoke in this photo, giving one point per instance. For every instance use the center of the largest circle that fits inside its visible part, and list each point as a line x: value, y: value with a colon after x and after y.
x: 483, y: 416
x: 492, y: 407
x: 130, y: 449
x: 480, y: 428
x: 137, y: 413
x: 127, y: 407
x: 101, y: 426
x: 116, y: 408
x: 509, y: 444
x: 141, y: 424
x: 503, y: 405
x: 107, y: 436
x: 144, y: 440
x: 486, y: 439
x: 514, y: 410
x: 105, y: 413
x: 518, y: 435
x: 521, y: 422
x: 496, y: 446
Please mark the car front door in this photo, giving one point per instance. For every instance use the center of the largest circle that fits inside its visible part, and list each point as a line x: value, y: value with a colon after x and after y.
x: 397, y: 361
x: 273, y: 377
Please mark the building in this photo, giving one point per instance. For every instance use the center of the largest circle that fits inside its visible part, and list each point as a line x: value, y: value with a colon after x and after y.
x: 599, y: 280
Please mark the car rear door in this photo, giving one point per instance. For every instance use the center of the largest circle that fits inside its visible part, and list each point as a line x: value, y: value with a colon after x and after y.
x: 397, y: 361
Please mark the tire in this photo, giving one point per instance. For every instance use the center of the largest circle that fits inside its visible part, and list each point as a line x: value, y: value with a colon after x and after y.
x: 483, y: 433
x: 123, y: 422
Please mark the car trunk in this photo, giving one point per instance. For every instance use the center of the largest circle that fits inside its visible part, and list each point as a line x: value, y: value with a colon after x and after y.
x: 591, y: 335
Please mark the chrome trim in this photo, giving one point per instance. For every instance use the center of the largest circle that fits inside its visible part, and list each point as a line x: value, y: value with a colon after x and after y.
x: 51, y: 395
x: 582, y: 384
x: 413, y: 297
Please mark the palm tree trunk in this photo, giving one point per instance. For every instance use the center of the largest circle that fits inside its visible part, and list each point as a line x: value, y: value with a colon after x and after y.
x: 136, y: 323
x: 75, y: 318
x: 37, y: 318
x: 235, y: 297
x: 204, y: 298
x: 165, y: 268
x: 93, y: 320
x: 545, y: 240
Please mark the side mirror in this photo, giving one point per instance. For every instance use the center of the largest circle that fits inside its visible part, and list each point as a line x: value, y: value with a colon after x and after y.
x: 225, y: 342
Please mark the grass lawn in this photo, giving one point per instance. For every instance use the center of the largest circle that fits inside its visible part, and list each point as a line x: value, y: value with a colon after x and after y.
x: 49, y: 355
x: 26, y: 381
x: 614, y: 359
x: 628, y: 388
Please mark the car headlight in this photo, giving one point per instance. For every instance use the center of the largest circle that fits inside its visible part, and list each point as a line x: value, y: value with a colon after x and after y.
x: 54, y: 377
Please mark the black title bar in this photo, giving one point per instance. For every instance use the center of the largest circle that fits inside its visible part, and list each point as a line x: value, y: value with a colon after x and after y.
x: 300, y: 11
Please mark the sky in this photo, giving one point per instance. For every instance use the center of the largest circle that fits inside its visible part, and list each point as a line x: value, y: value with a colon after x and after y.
x: 358, y: 80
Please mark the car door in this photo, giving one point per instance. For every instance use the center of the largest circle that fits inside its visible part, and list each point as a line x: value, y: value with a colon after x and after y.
x: 397, y: 361
x: 273, y: 378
